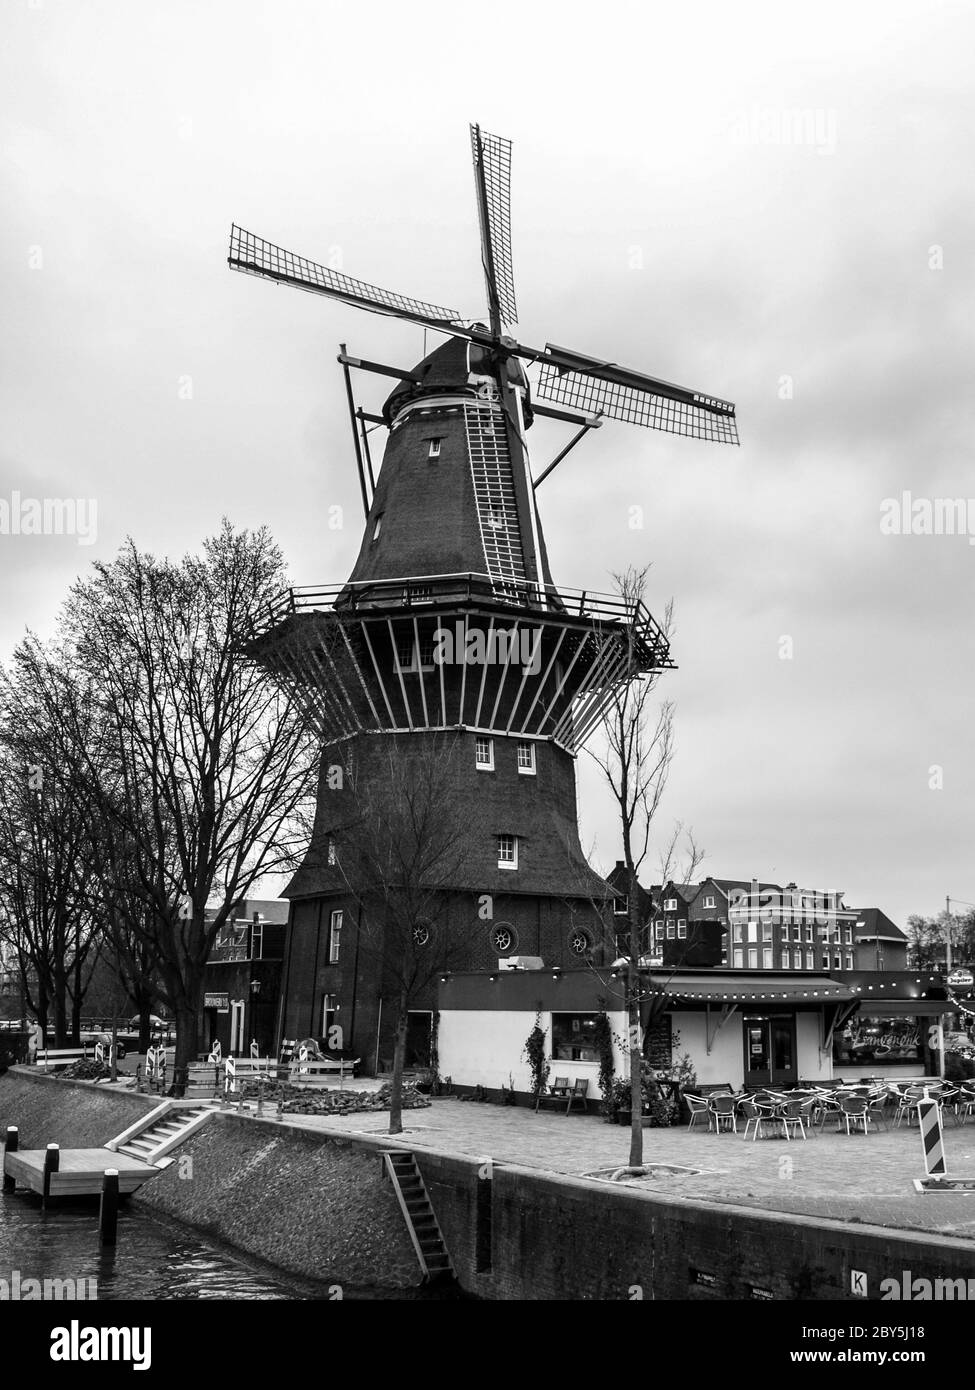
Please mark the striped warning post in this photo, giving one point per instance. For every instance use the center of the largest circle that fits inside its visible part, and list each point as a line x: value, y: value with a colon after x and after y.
x: 929, y: 1114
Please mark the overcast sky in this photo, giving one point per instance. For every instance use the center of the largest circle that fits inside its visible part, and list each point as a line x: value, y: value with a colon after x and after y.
x: 666, y: 217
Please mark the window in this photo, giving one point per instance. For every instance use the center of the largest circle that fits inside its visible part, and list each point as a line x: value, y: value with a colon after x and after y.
x: 848, y: 936
x: 753, y: 957
x: 332, y: 856
x: 329, y: 1009
x: 825, y: 960
x: 709, y: 902
x: 507, y: 851
x: 681, y: 928
x: 660, y: 931
x: 736, y: 929
x: 785, y: 960
x: 574, y: 1038
x: 621, y: 906
x: 419, y: 593
x: 809, y: 934
x: 767, y: 958
x: 849, y: 960
x: 526, y: 759
x: 377, y: 527
x: 766, y: 931
x: 580, y: 942
x: 503, y: 939
x: 797, y: 933
x: 837, y: 961
x: 670, y: 905
x: 484, y: 753
x: 797, y: 959
x: 404, y: 653
x: 334, y: 936
x: 752, y: 931
x: 738, y: 958
x: 426, y: 653
x: 670, y: 928
x: 810, y: 960
x: 434, y: 449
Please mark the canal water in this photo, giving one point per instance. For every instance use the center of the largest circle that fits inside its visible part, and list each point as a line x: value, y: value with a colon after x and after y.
x: 153, y: 1259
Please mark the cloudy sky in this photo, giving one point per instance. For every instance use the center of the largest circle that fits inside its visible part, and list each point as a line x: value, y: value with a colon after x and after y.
x: 767, y: 203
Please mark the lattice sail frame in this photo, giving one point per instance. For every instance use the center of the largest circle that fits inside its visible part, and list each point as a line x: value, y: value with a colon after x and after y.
x: 255, y: 256
x: 699, y: 417
x: 493, y: 154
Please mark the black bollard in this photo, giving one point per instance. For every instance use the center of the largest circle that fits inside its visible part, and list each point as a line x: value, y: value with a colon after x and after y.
x: 10, y: 1146
x: 52, y: 1164
x: 108, y: 1209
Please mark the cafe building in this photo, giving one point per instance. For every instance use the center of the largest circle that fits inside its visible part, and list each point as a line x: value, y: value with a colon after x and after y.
x: 756, y: 1029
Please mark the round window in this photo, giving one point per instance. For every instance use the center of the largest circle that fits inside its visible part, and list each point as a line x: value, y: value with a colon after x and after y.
x: 421, y: 934
x: 580, y: 943
x: 504, y: 939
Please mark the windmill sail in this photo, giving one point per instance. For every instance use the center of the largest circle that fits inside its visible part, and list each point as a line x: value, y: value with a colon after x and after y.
x: 593, y: 388
x: 255, y: 256
x: 492, y: 172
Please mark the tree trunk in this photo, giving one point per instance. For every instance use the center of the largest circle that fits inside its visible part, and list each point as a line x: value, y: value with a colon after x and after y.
x: 144, y: 1028
x: 60, y: 1015
x: 187, y: 1029
x: 399, y: 1057
x: 636, y: 1058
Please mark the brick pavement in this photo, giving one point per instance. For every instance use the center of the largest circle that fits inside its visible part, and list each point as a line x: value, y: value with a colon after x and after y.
x: 858, y: 1178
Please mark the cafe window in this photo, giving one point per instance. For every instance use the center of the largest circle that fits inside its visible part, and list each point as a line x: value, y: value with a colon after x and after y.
x: 574, y: 1038
x: 872, y: 1039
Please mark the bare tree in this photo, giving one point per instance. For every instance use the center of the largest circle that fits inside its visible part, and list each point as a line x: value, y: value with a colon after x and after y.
x: 44, y: 857
x: 634, y: 755
x: 925, y: 942
x: 401, y: 849
x: 202, y: 766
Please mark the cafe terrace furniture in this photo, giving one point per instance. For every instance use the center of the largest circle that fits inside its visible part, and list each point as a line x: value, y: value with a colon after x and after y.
x: 699, y: 1110
x: 723, y: 1113
x: 558, y: 1091
x: 854, y: 1110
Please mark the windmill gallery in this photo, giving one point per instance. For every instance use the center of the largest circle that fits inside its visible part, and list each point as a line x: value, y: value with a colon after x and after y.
x: 451, y: 625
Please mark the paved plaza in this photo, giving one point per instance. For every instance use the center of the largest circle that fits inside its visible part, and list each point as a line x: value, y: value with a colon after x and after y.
x: 856, y: 1178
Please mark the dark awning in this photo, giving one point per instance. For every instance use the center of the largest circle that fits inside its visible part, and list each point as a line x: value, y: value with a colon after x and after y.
x: 750, y: 989
x: 879, y: 1007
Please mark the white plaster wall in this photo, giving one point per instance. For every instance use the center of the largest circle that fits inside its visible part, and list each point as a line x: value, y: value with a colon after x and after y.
x: 811, y: 1064
x: 480, y: 1047
x: 726, y: 1062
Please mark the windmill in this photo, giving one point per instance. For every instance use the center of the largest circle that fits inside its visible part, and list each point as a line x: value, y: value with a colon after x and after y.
x: 453, y: 549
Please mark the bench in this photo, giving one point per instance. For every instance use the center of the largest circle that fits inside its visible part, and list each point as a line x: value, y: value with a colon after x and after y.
x: 304, y: 1068
x: 560, y: 1091
x: 51, y: 1058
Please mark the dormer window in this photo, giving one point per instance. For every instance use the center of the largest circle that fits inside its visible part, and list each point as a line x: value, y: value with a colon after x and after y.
x: 434, y: 452
x: 709, y: 902
x: 670, y: 905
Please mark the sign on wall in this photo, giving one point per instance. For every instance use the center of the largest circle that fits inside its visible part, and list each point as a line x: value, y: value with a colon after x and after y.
x: 220, y: 1002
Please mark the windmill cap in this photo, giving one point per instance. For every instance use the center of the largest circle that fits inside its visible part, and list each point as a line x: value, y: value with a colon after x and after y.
x: 448, y: 369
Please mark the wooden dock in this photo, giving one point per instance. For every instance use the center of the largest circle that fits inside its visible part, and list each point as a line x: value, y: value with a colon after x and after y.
x: 80, y: 1172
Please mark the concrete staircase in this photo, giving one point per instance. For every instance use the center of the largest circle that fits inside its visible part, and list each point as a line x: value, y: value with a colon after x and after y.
x: 419, y: 1215
x: 154, y: 1134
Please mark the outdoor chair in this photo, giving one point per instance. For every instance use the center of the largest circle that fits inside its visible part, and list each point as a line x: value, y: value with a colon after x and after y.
x: 907, y: 1104
x: 966, y: 1102
x: 876, y: 1110
x: 829, y: 1111
x: 854, y: 1109
x: 580, y: 1093
x: 699, y: 1108
x: 794, y: 1115
x: 765, y: 1115
x: 723, y: 1112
